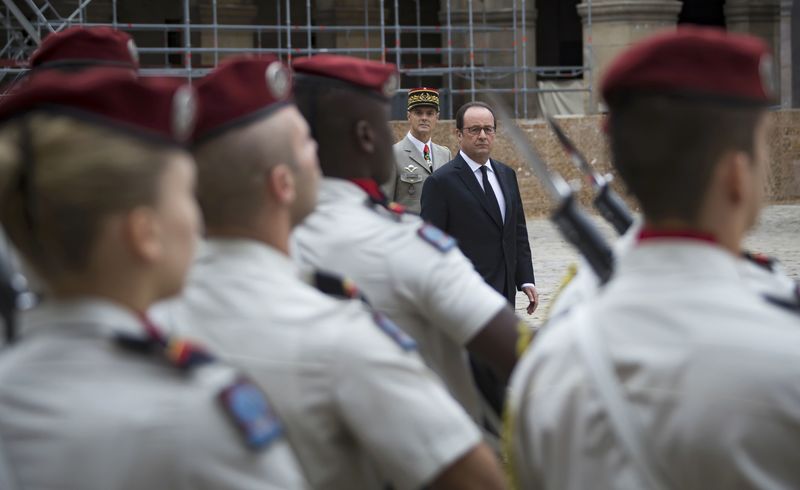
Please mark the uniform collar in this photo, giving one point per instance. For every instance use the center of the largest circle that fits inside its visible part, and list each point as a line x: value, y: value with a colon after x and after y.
x: 688, y: 257
x: 99, y: 315
x: 251, y: 256
x: 335, y: 190
x: 420, y: 145
x: 473, y: 165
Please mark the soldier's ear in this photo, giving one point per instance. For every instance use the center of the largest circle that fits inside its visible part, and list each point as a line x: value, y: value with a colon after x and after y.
x: 280, y: 184
x: 365, y: 136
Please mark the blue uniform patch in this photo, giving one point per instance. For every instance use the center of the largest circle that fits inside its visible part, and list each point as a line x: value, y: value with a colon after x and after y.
x: 436, y: 237
x: 396, y: 333
x: 249, y: 409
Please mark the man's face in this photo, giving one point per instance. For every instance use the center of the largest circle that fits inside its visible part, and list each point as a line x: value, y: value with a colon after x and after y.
x: 423, y: 119
x: 473, y: 138
x: 305, y: 165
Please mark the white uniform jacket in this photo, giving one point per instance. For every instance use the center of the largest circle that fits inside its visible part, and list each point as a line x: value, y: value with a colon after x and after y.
x: 77, y: 411
x: 360, y: 407
x: 710, y: 369
x: 433, y: 294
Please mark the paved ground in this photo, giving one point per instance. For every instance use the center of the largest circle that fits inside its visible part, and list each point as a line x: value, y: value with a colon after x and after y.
x: 778, y: 235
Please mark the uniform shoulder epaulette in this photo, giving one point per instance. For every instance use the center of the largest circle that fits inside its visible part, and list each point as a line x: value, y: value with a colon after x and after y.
x: 436, y: 237
x: 335, y: 285
x: 242, y: 400
x: 792, y: 303
x: 390, y: 328
x: 392, y: 210
x: 762, y: 260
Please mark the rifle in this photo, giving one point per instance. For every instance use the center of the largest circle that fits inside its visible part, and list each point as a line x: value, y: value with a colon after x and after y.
x: 606, y: 201
x: 570, y: 219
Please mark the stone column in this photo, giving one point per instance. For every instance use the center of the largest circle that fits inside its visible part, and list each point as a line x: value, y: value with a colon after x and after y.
x: 241, y: 12
x: 499, y: 15
x: 615, y: 25
x: 350, y: 13
x: 760, y: 18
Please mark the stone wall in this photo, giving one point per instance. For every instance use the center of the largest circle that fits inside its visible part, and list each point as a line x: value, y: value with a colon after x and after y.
x: 783, y: 184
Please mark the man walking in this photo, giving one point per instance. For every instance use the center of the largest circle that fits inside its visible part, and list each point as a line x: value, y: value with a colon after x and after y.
x: 476, y: 200
x: 416, y: 155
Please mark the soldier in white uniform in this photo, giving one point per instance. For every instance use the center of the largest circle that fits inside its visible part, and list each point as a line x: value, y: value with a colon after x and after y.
x: 409, y: 270
x: 416, y: 156
x: 99, y: 200
x: 678, y: 375
x: 360, y: 407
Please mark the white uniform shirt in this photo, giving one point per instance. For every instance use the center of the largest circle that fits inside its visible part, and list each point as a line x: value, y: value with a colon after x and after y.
x: 436, y: 297
x: 79, y: 412
x: 353, y: 401
x: 710, y: 369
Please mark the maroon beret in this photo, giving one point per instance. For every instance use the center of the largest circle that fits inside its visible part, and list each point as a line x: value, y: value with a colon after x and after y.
x: 78, y: 46
x: 158, y: 109
x: 239, y: 91
x: 374, y: 77
x: 702, y: 62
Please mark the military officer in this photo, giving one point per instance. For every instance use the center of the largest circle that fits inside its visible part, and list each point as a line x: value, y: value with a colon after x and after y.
x: 407, y: 269
x: 98, y: 197
x: 360, y: 407
x: 679, y: 375
x: 416, y: 155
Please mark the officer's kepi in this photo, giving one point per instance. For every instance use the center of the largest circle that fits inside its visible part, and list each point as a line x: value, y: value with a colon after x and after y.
x: 702, y: 63
x: 240, y: 91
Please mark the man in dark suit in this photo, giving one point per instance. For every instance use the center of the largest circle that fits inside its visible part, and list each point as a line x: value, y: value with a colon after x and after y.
x: 476, y: 200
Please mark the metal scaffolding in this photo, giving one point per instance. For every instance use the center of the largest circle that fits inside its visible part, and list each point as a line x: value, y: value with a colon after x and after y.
x: 26, y: 22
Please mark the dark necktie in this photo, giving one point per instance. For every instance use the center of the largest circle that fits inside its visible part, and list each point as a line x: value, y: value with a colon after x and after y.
x: 491, y: 199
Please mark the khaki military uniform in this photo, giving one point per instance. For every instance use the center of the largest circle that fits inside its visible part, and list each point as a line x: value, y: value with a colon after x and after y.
x: 708, y: 368
x: 360, y: 407
x: 410, y: 172
x: 408, y: 270
x: 79, y: 411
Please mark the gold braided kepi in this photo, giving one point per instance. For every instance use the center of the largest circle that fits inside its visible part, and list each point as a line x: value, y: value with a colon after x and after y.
x: 423, y: 96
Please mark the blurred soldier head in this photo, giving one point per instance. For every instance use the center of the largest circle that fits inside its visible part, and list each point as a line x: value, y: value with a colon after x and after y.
x: 77, y: 48
x: 423, y: 112
x: 346, y: 102
x: 475, y: 130
x: 98, y: 188
x: 257, y: 163
x: 688, y: 128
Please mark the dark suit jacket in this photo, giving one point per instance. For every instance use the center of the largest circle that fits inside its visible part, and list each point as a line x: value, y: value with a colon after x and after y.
x: 453, y: 200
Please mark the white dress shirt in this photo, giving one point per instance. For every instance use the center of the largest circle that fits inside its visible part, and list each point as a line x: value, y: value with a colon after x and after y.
x: 476, y: 171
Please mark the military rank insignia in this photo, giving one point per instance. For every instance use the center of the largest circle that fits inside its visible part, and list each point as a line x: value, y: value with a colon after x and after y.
x: 390, y: 328
x: 337, y: 286
x: 250, y: 411
x: 436, y: 237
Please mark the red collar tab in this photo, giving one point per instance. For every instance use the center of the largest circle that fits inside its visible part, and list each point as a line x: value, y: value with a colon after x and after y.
x: 372, y: 189
x: 650, y: 234
x: 377, y: 196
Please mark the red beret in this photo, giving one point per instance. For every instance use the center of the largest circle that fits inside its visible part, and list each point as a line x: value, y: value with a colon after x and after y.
x: 78, y: 46
x: 375, y: 77
x: 239, y: 91
x: 159, y: 109
x: 702, y: 62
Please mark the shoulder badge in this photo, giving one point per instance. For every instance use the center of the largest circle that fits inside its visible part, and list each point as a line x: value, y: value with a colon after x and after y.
x: 390, y: 328
x: 252, y: 414
x: 762, y: 260
x: 334, y: 285
x: 436, y: 237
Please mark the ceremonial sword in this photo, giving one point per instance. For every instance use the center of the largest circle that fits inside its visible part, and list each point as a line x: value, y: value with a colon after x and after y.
x: 606, y: 201
x: 570, y: 219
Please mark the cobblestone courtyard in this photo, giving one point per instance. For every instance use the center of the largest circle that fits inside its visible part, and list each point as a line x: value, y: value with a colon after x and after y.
x: 778, y: 235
